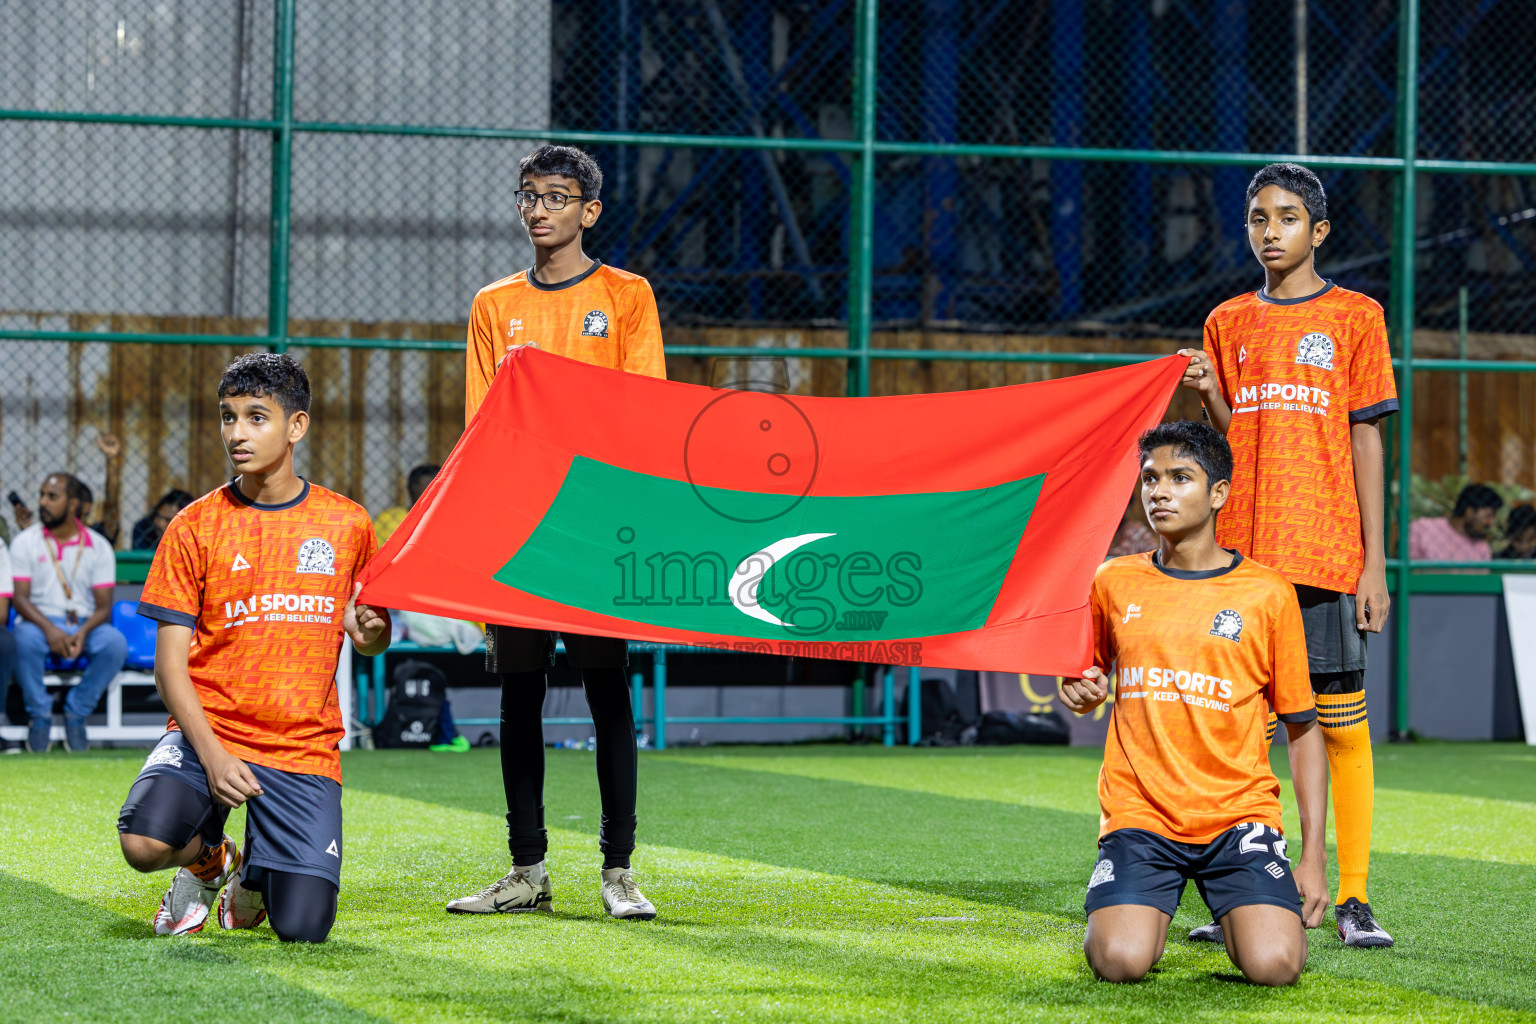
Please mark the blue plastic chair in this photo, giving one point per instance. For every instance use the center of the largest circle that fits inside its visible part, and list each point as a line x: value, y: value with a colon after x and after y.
x: 139, y: 632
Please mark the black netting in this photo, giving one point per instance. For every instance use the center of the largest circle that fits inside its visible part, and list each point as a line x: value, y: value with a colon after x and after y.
x: 63, y: 403
x: 166, y: 230
x: 1141, y: 74
x: 1477, y: 82
x: 181, y: 58
x: 1091, y: 247
x: 109, y: 219
x: 713, y: 67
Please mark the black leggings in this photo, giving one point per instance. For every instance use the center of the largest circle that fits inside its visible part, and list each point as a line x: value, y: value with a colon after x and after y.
x: 300, y: 908
x: 522, y: 762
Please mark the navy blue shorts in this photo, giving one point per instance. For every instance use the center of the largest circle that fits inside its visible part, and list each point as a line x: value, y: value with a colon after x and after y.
x: 295, y: 825
x: 1244, y: 865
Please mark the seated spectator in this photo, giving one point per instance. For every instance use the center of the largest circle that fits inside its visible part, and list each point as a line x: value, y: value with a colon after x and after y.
x: 1519, y: 533
x: 64, y: 574
x: 1463, y: 535
x: 386, y: 522
x: 427, y: 630
x: 110, y: 525
x: 7, y: 639
x: 148, y: 531
x: 1133, y: 535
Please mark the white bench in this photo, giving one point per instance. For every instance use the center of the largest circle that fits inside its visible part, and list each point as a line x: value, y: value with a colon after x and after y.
x: 115, y: 730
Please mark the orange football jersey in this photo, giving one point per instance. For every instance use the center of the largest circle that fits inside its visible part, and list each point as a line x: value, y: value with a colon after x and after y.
x: 1198, y: 659
x: 605, y: 317
x: 263, y: 588
x: 1297, y: 373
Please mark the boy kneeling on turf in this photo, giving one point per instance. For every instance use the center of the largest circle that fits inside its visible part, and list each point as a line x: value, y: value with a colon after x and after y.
x: 253, y: 588
x: 1200, y: 642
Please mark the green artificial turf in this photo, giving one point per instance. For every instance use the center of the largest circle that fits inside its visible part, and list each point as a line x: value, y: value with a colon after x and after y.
x: 794, y: 884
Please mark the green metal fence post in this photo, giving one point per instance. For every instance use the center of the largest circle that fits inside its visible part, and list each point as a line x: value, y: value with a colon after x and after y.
x: 282, y: 163
x: 659, y: 695
x: 861, y: 223
x: 1402, y: 321
x: 1461, y: 380
x: 914, y: 705
x: 888, y: 705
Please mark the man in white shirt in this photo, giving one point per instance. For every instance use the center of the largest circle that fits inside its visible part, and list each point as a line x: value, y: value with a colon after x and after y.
x: 64, y: 574
x: 7, y: 639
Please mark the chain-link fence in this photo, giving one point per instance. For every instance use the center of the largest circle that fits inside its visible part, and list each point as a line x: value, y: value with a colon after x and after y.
x: 1006, y: 189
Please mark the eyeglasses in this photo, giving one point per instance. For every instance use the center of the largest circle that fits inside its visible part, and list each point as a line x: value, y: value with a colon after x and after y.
x: 554, y: 202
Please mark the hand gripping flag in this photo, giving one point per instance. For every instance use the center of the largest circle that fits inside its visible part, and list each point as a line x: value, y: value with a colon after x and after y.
x: 959, y: 530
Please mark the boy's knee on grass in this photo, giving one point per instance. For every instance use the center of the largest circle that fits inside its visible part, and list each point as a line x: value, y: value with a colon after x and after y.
x: 1120, y: 958
x: 143, y: 853
x: 1275, y: 964
x: 1267, y: 944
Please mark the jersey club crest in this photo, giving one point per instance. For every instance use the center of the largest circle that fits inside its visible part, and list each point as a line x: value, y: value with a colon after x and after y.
x: 595, y: 324
x: 317, y: 555
x: 1315, y: 350
x: 1228, y: 625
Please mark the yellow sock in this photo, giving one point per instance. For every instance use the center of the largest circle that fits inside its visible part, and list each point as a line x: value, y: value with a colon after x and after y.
x: 1353, y: 777
x: 1269, y: 728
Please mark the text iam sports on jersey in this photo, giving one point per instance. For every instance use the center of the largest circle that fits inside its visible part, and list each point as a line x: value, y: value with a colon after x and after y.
x: 1199, y: 682
x: 276, y: 604
x: 1249, y: 397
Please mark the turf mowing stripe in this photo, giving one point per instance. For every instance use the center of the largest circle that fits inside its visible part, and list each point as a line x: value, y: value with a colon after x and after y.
x: 783, y: 898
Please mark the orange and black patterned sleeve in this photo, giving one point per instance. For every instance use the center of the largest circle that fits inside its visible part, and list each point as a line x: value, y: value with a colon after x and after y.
x: 1372, y: 388
x: 1103, y: 628
x: 173, y: 590
x: 1290, y: 683
x: 367, y: 545
x: 1211, y: 343
x: 480, y: 357
x: 642, y: 333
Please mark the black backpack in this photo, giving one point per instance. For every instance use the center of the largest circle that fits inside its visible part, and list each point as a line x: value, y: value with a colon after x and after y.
x: 941, y: 725
x: 1001, y: 728
x: 415, y: 707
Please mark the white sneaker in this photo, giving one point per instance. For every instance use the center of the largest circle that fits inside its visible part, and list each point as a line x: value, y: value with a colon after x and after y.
x: 185, y: 905
x: 623, y: 899
x: 519, y: 891
x: 240, y: 907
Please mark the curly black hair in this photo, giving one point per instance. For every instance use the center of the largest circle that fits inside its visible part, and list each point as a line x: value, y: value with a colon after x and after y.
x: 1521, y: 518
x: 1477, y: 496
x: 268, y: 374
x: 178, y: 499
x: 565, y: 162
x: 1192, y: 441
x: 1295, y: 179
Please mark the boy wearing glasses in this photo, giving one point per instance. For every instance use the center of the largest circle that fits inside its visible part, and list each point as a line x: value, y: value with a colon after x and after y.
x: 569, y: 304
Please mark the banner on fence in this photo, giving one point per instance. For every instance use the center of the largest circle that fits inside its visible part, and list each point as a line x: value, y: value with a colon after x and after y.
x: 1520, y: 608
x: 958, y: 529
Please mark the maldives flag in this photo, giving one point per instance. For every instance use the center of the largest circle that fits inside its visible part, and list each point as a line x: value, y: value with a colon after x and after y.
x: 960, y: 530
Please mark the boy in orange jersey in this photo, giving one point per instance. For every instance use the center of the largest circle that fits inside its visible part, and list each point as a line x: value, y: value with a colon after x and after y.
x: 253, y: 588
x: 1200, y: 642
x: 569, y: 304
x: 1298, y: 377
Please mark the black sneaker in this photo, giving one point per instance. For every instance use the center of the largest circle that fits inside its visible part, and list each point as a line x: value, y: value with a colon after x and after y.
x: 1207, y: 933
x: 1357, y: 925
